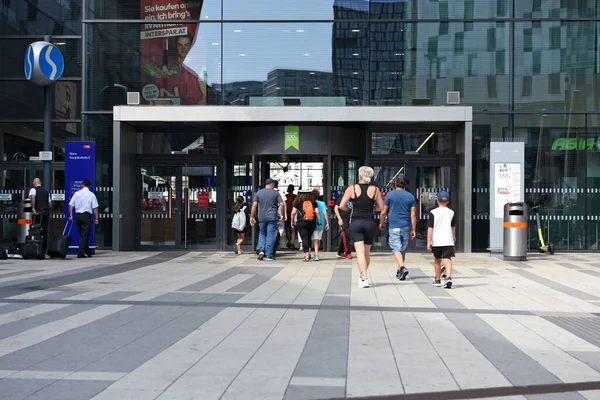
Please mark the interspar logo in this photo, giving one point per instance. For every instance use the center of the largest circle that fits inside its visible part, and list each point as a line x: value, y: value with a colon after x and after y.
x: 163, y: 33
x: 576, y: 144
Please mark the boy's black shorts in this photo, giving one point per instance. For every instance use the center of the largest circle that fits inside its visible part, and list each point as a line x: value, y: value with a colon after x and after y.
x: 443, y: 251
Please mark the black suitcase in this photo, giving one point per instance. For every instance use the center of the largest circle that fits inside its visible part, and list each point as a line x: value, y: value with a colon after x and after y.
x: 34, y: 248
x: 36, y: 229
x: 15, y: 248
x: 59, y: 247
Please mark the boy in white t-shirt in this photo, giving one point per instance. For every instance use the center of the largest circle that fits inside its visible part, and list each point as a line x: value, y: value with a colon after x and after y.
x: 441, y: 236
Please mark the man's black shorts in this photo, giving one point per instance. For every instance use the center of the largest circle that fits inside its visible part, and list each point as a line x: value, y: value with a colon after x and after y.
x: 443, y: 251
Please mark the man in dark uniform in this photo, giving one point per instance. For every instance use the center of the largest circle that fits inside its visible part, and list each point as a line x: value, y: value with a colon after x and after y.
x: 42, y: 206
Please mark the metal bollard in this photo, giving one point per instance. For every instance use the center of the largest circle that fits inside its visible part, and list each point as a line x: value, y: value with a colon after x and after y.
x: 25, y: 220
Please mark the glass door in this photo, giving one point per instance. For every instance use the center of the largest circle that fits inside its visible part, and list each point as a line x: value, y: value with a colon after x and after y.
x: 424, y: 182
x: 344, y: 172
x: 178, y: 206
x: 428, y: 182
x: 199, y: 204
x: 160, y: 189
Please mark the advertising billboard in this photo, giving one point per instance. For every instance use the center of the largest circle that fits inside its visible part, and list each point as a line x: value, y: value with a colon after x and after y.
x: 167, y: 78
x: 80, y: 164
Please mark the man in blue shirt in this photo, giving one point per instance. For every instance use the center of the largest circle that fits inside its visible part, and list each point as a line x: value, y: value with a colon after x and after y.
x: 401, y: 209
x: 266, y: 205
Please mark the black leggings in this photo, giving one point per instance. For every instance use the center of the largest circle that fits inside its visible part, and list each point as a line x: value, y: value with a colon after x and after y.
x: 306, y: 229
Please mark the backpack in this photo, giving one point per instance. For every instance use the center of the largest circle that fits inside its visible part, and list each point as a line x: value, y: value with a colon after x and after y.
x: 239, y: 220
x: 308, y: 211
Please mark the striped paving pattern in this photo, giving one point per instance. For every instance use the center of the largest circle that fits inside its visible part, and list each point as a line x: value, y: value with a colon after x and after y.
x: 206, y: 325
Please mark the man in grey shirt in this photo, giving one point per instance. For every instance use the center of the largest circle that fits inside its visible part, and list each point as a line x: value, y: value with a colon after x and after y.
x: 267, y: 201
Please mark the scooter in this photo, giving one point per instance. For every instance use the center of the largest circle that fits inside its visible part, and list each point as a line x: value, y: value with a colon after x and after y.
x: 543, y: 248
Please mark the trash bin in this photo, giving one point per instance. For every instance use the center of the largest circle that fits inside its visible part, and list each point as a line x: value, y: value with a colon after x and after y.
x: 25, y: 219
x: 515, y: 232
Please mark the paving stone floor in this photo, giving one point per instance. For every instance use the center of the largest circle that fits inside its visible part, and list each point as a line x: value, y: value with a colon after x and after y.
x: 213, y: 325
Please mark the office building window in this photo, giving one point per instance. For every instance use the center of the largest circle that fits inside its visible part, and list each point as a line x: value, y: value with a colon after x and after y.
x: 527, y: 39
x: 431, y: 88
x: 432, y: 46
x: 444, y: 28
x: 443, y: 6
x: 472, y: 68
x: 491, y: 39
x: 459, y: 42
x: 555, y: 37
x: 501, y: 8
x: 537, y: 62
x: 554, y: 84
x: 459, y: 84
x: 501, y: 62
x: 526, y: 86
x: 469, y: 9
x: 492, y: 87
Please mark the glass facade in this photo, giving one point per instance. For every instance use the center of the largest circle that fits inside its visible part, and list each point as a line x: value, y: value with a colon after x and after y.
x: 529, y: 68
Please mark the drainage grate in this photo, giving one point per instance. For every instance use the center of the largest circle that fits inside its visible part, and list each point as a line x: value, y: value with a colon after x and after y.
x: 587, y: 328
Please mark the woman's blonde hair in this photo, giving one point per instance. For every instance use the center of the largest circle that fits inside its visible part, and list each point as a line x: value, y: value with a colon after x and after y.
x: 365, y: 174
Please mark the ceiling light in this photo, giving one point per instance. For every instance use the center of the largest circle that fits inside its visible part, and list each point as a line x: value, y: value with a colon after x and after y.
x: 355, y: 30
x: 242, y: 55
x: 397, y: 54
x: 206, y: 16
x: 243, y: 88
x: 277, y: 88
x: 299, y: 30
x: 355, y: 54
x: 317, y: 88
x: 237, y: 30
x: 307, y: 54
x: 390, y: 88
x: 355, y: 88
x: 215, y: 44
x: 355, y: 73
x: 312, y: 73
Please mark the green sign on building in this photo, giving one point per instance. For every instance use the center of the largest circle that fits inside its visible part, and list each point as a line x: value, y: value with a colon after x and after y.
x: 292, y: 137
x: 576, y: 144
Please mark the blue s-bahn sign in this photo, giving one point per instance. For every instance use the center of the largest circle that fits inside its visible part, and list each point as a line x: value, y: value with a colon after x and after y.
x: 44, y: 63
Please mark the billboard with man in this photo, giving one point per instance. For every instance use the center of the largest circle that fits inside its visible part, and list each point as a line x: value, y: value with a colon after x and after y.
x: 166, y: 77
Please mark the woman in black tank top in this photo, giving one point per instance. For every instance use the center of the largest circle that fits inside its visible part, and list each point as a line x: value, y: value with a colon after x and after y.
x: 366, y: 199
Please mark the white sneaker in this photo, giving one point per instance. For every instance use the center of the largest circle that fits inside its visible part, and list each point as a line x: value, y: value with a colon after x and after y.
x: 363, y: 283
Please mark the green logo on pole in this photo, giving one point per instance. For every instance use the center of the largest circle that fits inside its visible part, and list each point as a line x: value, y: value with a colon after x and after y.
x: 292, y: 137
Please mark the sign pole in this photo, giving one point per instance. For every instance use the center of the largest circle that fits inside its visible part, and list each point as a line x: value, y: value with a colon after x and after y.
x: 47, y: 127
